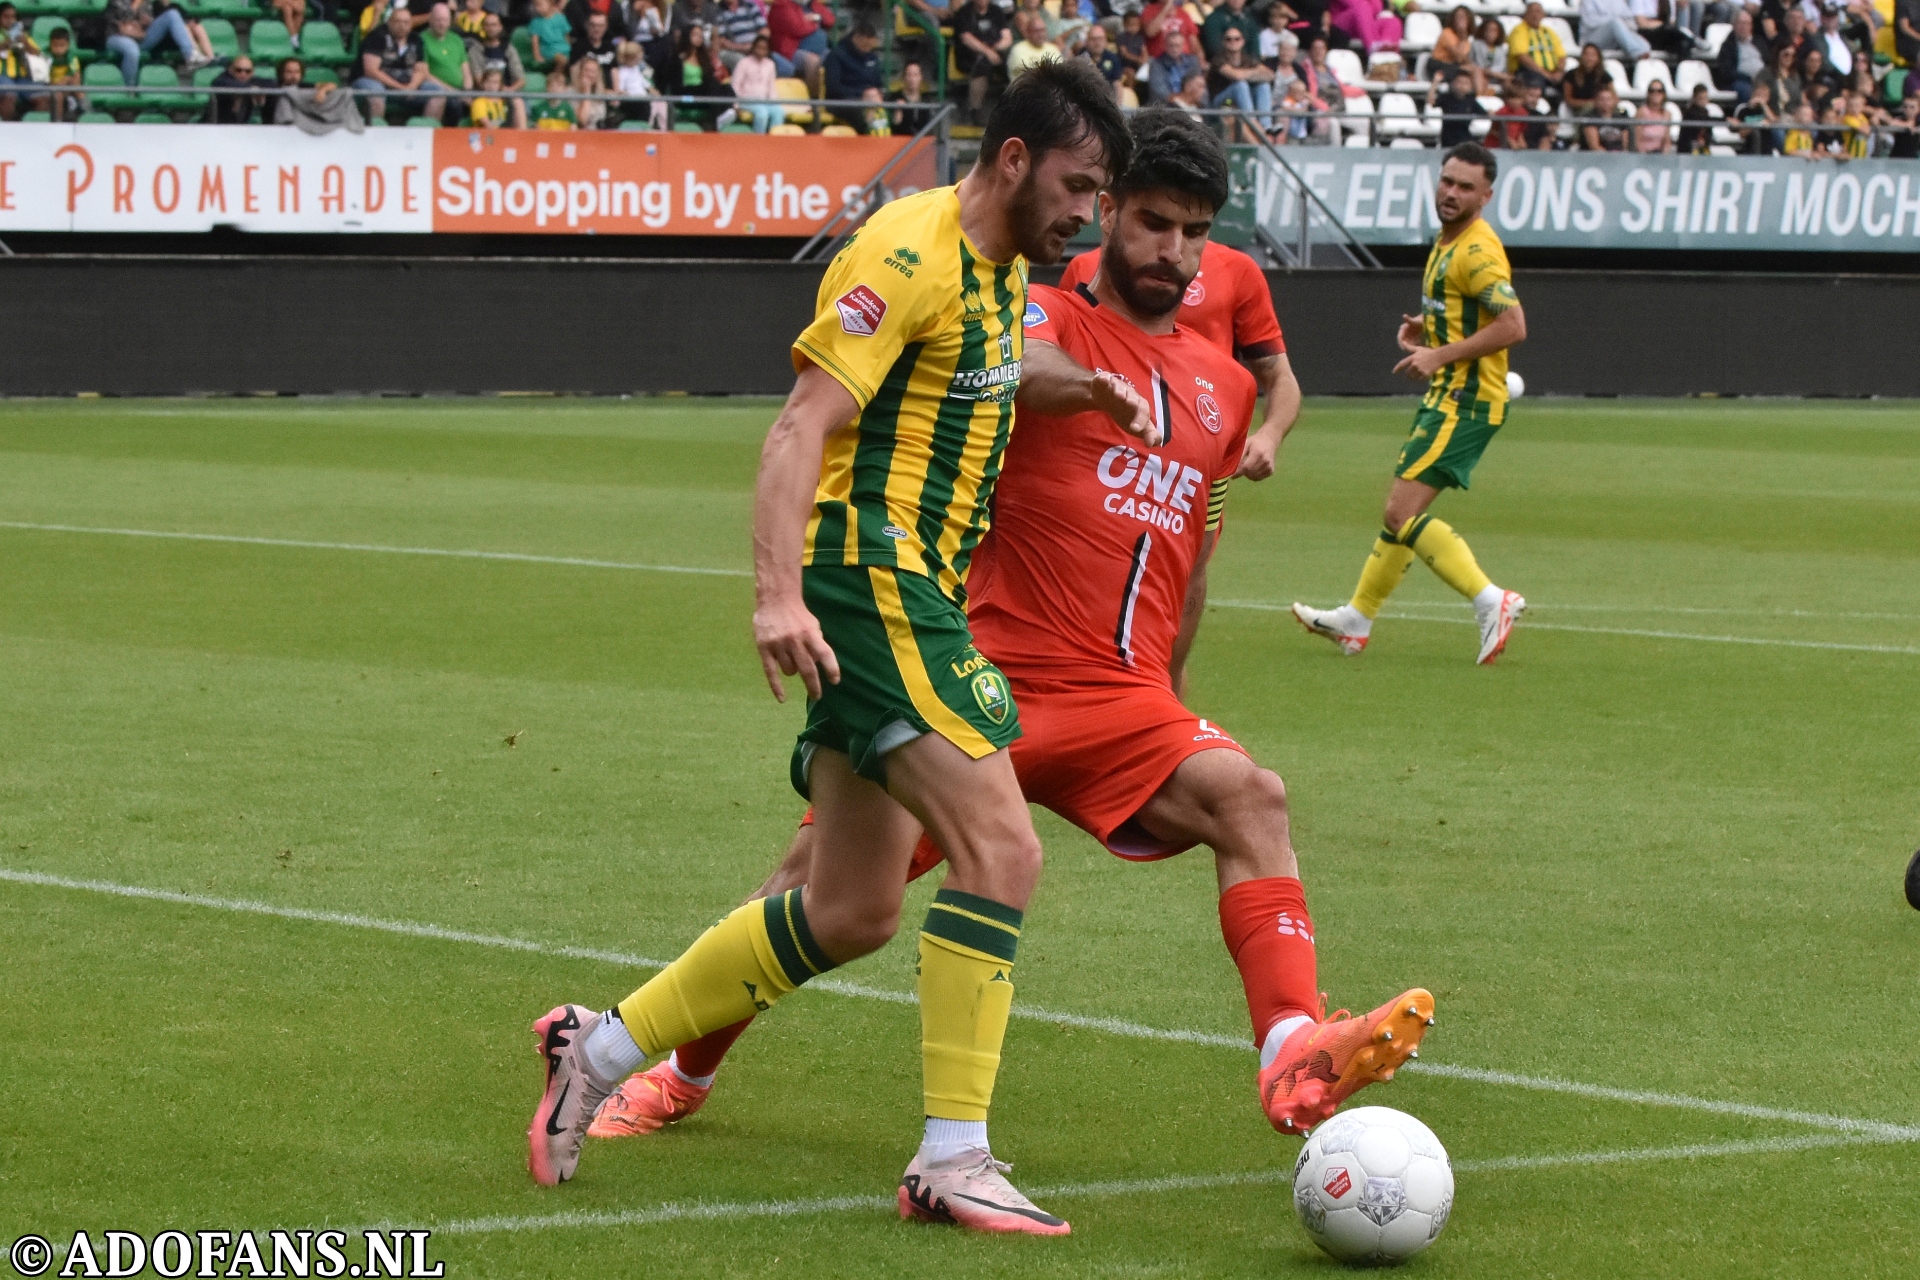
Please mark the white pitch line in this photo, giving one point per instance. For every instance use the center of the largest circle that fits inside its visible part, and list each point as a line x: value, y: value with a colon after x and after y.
x: 713, y: 1211
x: 515, y: 556
x: 1266, y: 607
x: 1876, y: 1130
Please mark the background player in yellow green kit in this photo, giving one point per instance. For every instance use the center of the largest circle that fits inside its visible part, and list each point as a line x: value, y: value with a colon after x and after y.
x: 1458, y: 344
x: 873, y: 492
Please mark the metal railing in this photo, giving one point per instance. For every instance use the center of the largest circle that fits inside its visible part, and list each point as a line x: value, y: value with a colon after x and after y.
x: 1303, y: 204
x: 848, y: 219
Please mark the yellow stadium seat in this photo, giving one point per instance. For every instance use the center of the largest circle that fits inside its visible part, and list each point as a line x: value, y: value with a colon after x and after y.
x: 839, y: 131
x: 787, y: 131
x: 792, y: 89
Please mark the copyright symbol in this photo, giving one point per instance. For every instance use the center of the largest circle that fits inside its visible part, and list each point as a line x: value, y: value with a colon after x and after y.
x: 31, y: 1255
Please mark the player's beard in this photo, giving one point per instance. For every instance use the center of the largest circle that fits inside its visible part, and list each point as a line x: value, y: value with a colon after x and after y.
x: 1154, y: 290
x: 1037, y: 240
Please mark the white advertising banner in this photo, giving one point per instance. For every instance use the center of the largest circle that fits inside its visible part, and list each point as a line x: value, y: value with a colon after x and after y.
x: 113, y: 177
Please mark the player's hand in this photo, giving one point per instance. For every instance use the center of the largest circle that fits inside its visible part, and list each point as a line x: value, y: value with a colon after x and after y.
x: 790, y: 643
x: 1257, y: 462
x: 1410, y: 334
x: 1421, y: 365
x: 1116, y: 398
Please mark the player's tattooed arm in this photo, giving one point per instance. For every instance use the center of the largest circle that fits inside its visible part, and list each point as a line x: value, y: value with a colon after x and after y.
x: 1508, y: 329
x: 1190, y: 611
x: 1054, y: 383
x: 784, y: 629
x: 1281, y: 390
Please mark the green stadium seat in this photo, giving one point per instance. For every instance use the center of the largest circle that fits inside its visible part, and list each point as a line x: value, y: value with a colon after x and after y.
x: 738, y: 128
x: 95, y: 117
x: 635, y: 126
x: 159, y: 77
x: 207, y: 75
x: 423, y: 122
x: 377, y: 123
x: 106, y: 90
x: 46, y: 24
x: 221, y: 35
x: 523, y: 43
x: 68, y: 8
x: 36, y: 117
x: 320, y: 75
x: 268, y: 40
x: 153, y: 117
x: 687, y: 126
x: 536, y: 82
x: 1896, y: 85
x: 320, y: 42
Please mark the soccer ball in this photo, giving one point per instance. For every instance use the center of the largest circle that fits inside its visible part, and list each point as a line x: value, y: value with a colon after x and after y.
x: 1516, y: 385
x: 1373, y: 1185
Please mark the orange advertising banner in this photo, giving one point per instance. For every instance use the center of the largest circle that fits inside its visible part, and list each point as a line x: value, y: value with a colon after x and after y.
x: 686, y: 184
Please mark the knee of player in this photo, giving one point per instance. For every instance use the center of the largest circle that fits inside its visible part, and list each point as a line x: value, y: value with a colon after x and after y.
x: 1266, y: 791
x: 848, y: 933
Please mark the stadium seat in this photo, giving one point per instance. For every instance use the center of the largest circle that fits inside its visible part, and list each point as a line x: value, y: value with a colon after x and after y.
x: 522, y: 42
x: 1422, y: 30
x: 36, y: 117
x: 95, y: 117
x: 221, y: 35
x: 268, y: 40
x: 1690, y: 73
x: 1400, y: 118
x: 839, y: 131
x: 536, y: 82
x: 1896, y: 84
x: 788, y: 89
x: 1346, y: 65
x: 319, y: 75
x: 107, y: 89
x: 687, y: 126
x: 787, y: 131
x: 737, y: 127
x: 1560, y: 28
x: 320, y: 42
x: 46, y: 24
x: 635, y: 126
x: 423, y: 122
x: 1622, y: 82
x: 153, y: 117
x: 378, y: 122
x: 1406, y: 144
x: 1359, y: 140
x: 1648, y: 70
x: 160, y: 77
x: 1359, y: 120
x: 1717, y: 32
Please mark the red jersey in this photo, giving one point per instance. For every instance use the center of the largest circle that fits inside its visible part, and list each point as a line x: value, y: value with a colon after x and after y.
x: 1094, y: 537
x: 1228, y: 303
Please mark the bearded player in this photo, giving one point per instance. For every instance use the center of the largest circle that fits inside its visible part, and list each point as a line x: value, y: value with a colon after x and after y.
x: 1228, y: 303
x: 871, y: 500
x: 1088, y: 593
x: 1457, y: 345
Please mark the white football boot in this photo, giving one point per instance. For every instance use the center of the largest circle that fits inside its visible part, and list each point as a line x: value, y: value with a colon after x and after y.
x: 1345, y: 626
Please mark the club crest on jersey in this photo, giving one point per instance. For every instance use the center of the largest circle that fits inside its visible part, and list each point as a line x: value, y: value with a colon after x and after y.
x: 1209, y: 411
x: 990, y: 691
x: 1035, y: 315
x: 1196, y: 293
x: 861, y: 310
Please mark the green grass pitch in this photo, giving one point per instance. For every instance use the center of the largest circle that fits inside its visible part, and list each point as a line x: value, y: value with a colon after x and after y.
x: 1657, y: 848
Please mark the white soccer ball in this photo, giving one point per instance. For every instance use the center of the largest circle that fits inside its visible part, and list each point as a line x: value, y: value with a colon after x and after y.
x: 1516, y: 385
x: 1373, y: 1185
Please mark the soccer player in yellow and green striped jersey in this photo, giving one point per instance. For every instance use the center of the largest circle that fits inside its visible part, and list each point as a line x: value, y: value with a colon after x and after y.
x: 1469, y: 317
x: 874, y: 489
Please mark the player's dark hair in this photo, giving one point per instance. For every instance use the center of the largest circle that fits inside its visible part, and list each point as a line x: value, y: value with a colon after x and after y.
x: 1057, y: 105
x: 1174, y: 152
x: 1474, y: 154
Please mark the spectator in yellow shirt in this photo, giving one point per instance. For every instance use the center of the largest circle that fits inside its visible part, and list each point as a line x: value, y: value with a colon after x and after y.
x: 489, y: 112
x: 1800, y: 141
x: 1535, y: 49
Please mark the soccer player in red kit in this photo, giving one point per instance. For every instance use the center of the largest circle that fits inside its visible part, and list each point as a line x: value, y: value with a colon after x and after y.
x: 1228, y: 303
x: 1087, y: 593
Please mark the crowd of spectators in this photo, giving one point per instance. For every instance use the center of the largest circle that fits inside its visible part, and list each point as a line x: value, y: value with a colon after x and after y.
x: 1795, y: 77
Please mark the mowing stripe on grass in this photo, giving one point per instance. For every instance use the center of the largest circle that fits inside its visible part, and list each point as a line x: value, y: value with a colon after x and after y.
x: 709, y: 1211
x: 1266, y: 607
x: 516, y: 556
x: 1865, y: 1130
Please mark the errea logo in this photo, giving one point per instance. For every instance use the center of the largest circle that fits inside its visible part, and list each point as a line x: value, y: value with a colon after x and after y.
x: 903, y: 260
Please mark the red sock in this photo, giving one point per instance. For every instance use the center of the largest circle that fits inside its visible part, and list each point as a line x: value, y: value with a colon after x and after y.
x: 1270, y: 937
x: 702, y: 1057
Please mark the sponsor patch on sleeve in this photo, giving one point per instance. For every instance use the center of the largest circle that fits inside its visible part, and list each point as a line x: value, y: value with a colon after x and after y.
x: 1035, y: 315
x: 861, y: 310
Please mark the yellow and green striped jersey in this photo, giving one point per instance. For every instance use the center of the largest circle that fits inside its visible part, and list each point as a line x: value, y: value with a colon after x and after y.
x: 1467, y: 282
x: 925, y: 333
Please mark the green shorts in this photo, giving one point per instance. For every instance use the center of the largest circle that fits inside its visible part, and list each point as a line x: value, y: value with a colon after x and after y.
x: 1445, y: 446
x: 907, y: 667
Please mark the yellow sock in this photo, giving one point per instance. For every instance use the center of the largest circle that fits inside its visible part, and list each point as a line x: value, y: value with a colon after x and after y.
x: 1383, y: 571
x: 735, y: 970
x: 966, y: 992
x: 1446, y: 553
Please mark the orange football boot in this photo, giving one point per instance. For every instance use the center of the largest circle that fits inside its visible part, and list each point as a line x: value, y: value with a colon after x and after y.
x: 1324, y: 1063
x: 647, y: 1102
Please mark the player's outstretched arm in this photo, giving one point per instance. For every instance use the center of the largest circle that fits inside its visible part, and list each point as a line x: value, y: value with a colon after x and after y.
x: 1054, y: 383
x: 785, y: 631
x: 1508, y: 329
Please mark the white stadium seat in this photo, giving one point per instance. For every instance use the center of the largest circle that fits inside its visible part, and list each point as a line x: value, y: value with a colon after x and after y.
x: 1406, y: 144
x: 1400, y: 118
x: 1648, y: 70
x: 1422, y: 30
x: 1690, y: 73
x: 1716, y: 32
x: 1560, y: 28
x: 1492, y: 102
x: 1509, y: 21
x: 1346, y: 65
x: 1358, y: 140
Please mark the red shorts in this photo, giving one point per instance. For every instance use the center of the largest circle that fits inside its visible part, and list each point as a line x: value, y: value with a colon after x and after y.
x: 1095, y: 753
